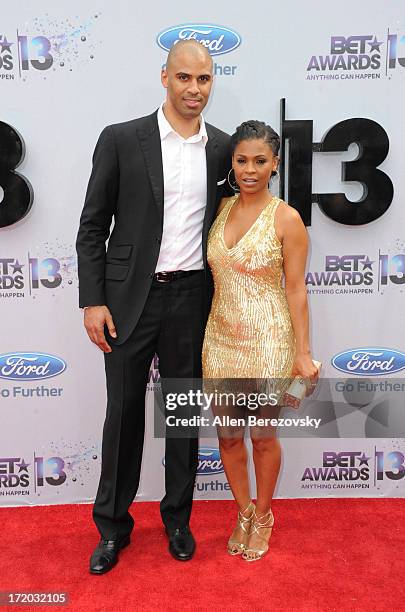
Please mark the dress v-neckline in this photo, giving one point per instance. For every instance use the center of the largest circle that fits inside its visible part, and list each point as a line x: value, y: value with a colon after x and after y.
x: 247, y: 231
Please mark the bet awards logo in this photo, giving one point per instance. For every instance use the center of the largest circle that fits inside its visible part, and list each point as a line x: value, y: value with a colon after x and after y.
x: 26, y: 276
x: 357, y: 273
x: 345, y: 470
x: 359, y: 57
x: 13, y: 474
x: 354, y: 470
x: 343, y: 271
x: 17, y: 479
x: 73, y: 465
x: 27, y: 54
x: 11, y: 273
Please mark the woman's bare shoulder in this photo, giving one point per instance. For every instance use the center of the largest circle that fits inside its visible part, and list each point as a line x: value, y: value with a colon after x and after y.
x: 223, y: 203
x: 288, y: 221
x: 288, y: 214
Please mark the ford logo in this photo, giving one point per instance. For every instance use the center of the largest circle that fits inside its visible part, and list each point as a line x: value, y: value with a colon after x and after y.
x: 369, y: 361
x: 30, y: 366
x: 209, y: 462
x: 217, y: 39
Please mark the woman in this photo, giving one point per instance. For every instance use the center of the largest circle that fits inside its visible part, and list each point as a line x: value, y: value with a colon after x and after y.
x: 257, y: 330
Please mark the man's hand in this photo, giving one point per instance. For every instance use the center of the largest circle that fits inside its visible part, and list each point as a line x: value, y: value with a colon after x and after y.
x: 95, y: 317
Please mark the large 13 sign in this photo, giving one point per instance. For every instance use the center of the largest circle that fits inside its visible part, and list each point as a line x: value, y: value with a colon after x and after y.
x: 18, y: 194
x: 297, y: 148
x: 296, y: 160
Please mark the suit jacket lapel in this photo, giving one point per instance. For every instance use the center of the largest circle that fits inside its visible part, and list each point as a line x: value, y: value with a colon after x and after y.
x: 149, y: 139
x: 211, y: 152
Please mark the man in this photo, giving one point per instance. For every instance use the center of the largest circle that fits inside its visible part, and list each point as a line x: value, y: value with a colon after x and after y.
x: 160, y: 178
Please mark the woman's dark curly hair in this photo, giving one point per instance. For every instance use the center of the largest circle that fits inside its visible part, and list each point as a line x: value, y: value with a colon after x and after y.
x: 256, y: 130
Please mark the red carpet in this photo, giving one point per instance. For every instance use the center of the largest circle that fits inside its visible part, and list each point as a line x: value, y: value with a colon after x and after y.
x: 326, y: 555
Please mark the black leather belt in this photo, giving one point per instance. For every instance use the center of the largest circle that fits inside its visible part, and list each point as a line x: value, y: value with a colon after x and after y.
x: 168, y: 277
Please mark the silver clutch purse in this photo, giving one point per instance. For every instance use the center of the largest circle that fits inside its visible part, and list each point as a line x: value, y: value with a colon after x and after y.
x: 299, y: 387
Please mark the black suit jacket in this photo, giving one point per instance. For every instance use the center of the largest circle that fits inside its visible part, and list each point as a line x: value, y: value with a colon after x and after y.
x: 126, y: 187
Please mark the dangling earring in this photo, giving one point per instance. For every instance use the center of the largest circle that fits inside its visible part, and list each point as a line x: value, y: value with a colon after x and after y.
x: 234, y: 185
x: 274, y: 173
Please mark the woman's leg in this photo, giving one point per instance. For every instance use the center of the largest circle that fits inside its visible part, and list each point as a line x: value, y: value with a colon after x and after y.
x: 266, y: 457
x: 267, y: 461
x: 235, y: 461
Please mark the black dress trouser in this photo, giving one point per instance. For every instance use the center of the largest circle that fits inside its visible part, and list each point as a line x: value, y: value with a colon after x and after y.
x: 172, y: 326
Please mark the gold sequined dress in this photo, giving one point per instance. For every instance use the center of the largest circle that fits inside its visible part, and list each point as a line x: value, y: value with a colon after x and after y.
x: 249, y: 332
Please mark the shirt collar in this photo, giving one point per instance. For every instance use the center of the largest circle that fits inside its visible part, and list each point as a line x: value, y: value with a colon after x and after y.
x: 165, y: 128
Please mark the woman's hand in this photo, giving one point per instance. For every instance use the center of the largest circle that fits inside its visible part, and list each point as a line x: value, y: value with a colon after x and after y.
x: 305, y: 367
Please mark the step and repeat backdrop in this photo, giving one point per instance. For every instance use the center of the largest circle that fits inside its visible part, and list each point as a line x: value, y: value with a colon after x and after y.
x: 332, y: 79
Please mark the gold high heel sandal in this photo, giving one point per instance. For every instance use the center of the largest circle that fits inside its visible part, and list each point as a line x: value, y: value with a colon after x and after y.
x: 235, y: 547
x: 254, y: 554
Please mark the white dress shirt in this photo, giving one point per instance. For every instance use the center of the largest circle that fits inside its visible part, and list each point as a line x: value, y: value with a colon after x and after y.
x: 185, y: 197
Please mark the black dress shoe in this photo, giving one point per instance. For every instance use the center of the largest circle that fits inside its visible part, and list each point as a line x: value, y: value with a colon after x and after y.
x: 181, y: 543
x: 105, y: 555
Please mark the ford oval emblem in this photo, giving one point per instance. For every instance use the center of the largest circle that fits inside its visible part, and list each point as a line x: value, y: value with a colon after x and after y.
x: 209, y: 462
x: 369, y: 361
x: 30, y: 366
x: 217, y: 39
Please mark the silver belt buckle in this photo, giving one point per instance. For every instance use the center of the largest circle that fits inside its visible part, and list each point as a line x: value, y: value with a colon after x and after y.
x: 163, y: 277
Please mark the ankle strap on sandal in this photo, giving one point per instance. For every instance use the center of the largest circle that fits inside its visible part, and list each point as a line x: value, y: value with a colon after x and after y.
x: 267, y: 523
x: 242, y: 512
